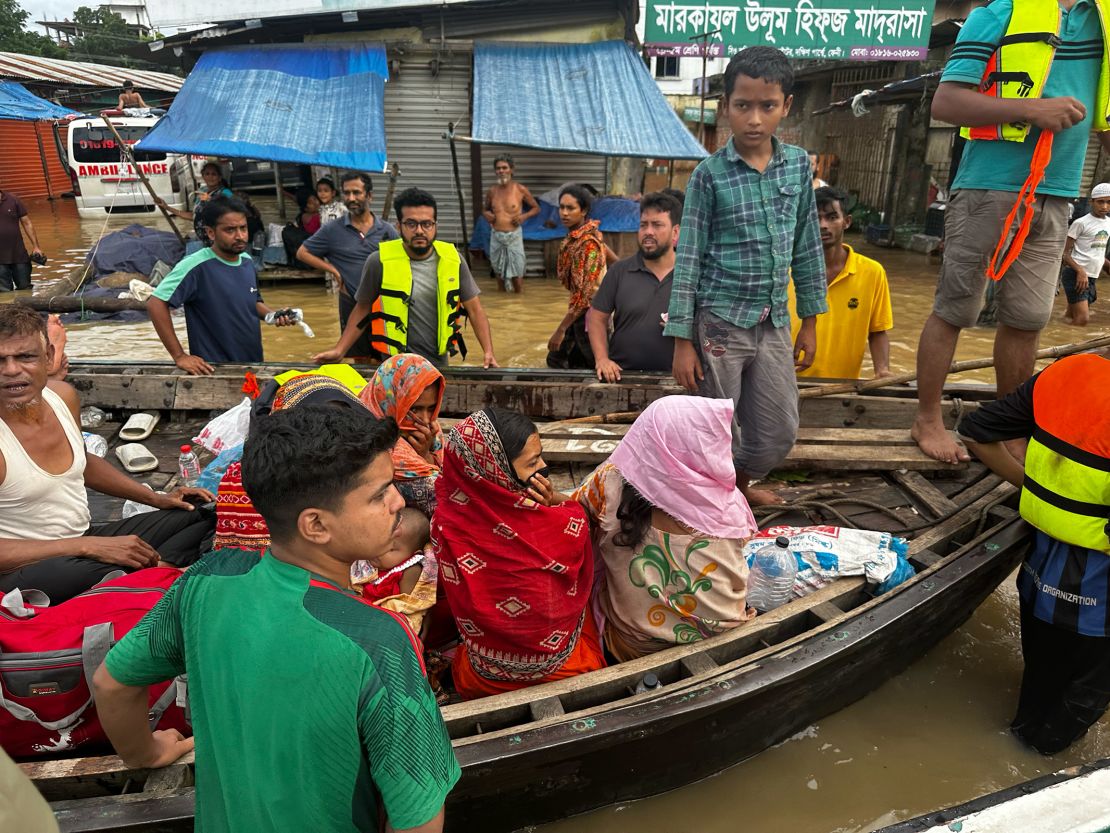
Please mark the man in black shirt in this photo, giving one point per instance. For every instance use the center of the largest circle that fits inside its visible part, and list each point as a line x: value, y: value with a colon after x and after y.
x: 635, y: 295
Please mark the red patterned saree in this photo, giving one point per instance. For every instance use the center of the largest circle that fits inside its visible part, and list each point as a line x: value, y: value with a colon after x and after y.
x: 517, y: 574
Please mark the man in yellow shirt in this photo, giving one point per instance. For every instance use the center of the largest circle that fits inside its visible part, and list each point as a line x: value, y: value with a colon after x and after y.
x: 859, y: 300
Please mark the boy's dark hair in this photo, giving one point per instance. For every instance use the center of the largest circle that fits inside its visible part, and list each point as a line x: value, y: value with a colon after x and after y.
x: 513, y: 427
x: 326, y: 180
x: 217, y: 207
x: 677, y: 193
x: 664, y: 203
x: 18, y: 320
x: 367, y: 183
x: 827, y: 195
x: 414, y: 198
x: 580, y: 195
x: 504, y: 157
x: 764, y: 62
x: 309, y: 456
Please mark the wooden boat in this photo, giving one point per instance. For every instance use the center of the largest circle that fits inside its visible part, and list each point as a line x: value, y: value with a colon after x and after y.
x: 1067, y: 801
x: 567, y: 747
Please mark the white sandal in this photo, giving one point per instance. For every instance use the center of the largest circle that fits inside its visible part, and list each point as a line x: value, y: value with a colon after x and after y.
x: 139, y: 426
x: 136, y: 458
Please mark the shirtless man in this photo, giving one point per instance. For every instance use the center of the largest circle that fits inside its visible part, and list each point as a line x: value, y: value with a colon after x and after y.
x: 504, y: 210
x: 129, y: 98
x: 46, y: 542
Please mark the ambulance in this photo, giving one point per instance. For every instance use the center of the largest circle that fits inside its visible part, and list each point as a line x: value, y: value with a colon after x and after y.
x: 103, y: 179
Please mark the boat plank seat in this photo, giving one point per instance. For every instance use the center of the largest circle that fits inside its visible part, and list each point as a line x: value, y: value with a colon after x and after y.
x: 133, y: 811
x: 925, y: 492
x: 546, y: 708
x: 826, y: 612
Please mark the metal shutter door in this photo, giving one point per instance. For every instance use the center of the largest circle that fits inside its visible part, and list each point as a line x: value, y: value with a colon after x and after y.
x: 20, y: 163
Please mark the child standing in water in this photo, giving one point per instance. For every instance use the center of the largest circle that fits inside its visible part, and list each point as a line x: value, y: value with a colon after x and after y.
x: 1085, y: 256
x: 748, y: 228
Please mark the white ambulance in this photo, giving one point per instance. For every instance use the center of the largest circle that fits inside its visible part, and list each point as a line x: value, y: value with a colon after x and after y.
x: 104, y: 181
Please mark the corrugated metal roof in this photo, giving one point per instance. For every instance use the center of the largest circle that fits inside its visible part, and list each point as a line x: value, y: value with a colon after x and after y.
x: 81, y: 74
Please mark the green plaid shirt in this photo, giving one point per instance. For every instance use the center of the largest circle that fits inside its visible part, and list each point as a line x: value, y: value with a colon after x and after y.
x: 744, y: 234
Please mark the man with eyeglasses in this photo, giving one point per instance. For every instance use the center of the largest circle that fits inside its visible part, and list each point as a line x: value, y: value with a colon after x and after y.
x: 341, y: 249
x: 414, y: 294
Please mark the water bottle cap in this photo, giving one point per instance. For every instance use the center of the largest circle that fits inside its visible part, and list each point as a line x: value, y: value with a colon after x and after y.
x: 185, y: 449
x: 782, y: 541
x: 650, y: 680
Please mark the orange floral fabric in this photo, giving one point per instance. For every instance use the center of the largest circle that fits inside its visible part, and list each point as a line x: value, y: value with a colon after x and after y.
x: 581, y: 264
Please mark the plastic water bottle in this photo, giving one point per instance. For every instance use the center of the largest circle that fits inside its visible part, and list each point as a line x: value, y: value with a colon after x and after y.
x: 649, y: 683
x: 188, y: 466
x: 771, y: 578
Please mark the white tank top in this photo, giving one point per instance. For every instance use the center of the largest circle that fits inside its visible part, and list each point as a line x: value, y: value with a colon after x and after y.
x: 34, y: 504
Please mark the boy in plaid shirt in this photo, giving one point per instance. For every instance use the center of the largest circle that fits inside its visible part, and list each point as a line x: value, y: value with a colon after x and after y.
x: 748, y: 228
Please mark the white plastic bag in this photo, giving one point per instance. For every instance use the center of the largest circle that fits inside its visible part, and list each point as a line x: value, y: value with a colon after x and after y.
x: 226, y: 430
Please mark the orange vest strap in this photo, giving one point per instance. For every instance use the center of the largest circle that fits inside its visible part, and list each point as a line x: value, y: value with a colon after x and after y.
x: 1027, y: 196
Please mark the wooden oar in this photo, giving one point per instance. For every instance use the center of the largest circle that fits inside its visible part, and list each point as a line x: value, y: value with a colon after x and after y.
x: 862, y: 385
x: 618, y: 418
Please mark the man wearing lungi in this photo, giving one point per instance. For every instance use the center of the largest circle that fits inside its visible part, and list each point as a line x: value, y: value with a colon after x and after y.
x: 505, y: 211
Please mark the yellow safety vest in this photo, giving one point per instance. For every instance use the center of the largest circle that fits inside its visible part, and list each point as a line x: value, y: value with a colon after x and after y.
x: 389, y: 316
x: 1066, y: 492
x: 1019, y: 67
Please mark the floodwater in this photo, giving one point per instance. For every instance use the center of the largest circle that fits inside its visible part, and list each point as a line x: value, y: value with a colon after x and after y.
x: 932, y: 737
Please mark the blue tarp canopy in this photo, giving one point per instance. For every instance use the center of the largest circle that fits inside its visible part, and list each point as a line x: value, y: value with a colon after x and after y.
x: 584, y: 98
x: 313, y: 103
x: 16, y: 103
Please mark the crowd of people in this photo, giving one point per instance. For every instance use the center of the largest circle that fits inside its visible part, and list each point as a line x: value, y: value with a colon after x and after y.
x: 355, y: 533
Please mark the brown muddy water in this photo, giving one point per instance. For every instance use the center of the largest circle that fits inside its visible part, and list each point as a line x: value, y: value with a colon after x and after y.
x: 932, y: 737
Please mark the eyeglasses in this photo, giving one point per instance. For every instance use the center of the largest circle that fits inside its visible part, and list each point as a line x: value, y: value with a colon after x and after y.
x: 423, y: 225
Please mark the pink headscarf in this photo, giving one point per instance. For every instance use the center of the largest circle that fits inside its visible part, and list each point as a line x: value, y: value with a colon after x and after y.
x: 678, y: 455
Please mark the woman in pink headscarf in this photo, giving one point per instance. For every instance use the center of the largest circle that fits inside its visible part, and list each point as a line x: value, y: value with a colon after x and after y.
x: 669, y: 526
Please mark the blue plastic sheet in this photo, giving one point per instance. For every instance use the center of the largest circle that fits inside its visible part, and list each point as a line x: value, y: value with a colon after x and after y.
x: 586, y: 98
x: 615, y: 213
x: 16, y: 103
x: 318, y: 104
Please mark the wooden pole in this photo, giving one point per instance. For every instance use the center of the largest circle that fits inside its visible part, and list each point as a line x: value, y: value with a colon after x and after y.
x: 458, y: 187
x: 77, y: 303
x: 278, y: 191
x: 126, y: 148
x: 1059, y: 351
x: 394, y: 172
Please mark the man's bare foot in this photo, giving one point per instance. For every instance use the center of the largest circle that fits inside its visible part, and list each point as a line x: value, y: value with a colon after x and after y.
x: 1017, y: 448
x: 761, y: 497
x: 935, y: 440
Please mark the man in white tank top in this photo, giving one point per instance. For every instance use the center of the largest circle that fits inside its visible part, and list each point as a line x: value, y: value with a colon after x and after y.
x: 46, y: 542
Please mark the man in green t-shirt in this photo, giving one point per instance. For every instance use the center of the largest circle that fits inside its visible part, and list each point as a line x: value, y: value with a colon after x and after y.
x: 310, y: 707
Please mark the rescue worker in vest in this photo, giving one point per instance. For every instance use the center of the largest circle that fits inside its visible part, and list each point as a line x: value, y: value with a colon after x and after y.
x: 994, y: 85
x: 415, y: 292
x: 1064, y: 582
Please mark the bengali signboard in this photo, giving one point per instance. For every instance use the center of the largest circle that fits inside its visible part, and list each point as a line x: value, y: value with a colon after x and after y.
x: 879, y: 30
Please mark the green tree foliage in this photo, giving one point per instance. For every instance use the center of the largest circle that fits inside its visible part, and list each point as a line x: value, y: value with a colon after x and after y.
x: 14, y: 38
x: 104, y: 35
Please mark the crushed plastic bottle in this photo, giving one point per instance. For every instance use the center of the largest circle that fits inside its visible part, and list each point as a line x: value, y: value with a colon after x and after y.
x: 132, y: 508
x: 297, y: 315
x: 92, y: 417
x: 95, y: 444
x: 772, y: 574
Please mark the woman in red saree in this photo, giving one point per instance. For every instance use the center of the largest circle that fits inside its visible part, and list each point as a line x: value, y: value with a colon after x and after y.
x: 515, y: 560
x: 409, y: 388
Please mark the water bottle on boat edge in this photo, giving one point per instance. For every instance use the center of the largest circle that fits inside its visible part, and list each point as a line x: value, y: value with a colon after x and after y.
x: 771, y: 578
x: 188, y: 466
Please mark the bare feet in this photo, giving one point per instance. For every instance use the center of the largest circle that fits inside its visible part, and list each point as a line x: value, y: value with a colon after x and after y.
x: 761, y: 497
x: 1017, y: 448
x: 936, y: 441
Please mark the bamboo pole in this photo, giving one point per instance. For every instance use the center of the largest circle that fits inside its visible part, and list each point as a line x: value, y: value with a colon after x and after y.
x: 618, y: 418
x: 126, y: 148
x: 1059, y: 351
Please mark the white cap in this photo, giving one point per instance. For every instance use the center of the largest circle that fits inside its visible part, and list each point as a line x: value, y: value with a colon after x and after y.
x: 1100, y: 191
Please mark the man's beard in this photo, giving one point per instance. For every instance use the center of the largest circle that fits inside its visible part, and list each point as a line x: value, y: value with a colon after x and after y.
x: 357, y: 208
x: 420, y: 251
x: 660, y: 250
x: 23, y: 407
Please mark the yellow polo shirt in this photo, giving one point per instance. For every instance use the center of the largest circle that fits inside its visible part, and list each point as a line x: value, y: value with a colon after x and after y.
x: 859, y: 304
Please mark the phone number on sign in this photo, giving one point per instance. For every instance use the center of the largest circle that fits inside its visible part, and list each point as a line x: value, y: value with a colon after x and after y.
x: 886, y: 52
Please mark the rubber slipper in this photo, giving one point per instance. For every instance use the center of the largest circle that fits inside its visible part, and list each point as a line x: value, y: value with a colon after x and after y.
x: 136, y: 458
x: 139, y: 426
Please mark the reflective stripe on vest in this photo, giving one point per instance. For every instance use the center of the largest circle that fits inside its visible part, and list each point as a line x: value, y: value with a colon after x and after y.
x: 1066, y: 493
x: 1019, y: 67
x: 389, y: 315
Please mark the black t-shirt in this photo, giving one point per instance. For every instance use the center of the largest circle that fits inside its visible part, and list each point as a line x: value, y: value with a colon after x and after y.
x: 637, y: 300
x: 1008, y: 418
x: 12, y: 249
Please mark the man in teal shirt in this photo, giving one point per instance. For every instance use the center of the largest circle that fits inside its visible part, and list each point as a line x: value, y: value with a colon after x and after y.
x: 990, y: 174
x: 311, y: 707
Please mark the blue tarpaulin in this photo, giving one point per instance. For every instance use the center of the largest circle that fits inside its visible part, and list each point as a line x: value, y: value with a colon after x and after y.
x: 584, y: 98
x: 316, y: 104
x: 16, y: 103
x: 616, y: 214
